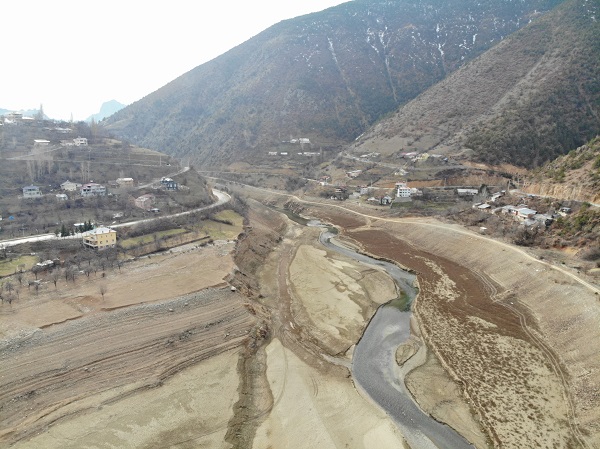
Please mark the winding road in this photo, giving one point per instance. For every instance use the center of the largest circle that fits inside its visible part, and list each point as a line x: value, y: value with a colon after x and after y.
x: 222, y: 198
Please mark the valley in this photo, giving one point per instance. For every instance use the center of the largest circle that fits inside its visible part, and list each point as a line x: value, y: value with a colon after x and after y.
x: 182, y: 360
x: 375, y: 226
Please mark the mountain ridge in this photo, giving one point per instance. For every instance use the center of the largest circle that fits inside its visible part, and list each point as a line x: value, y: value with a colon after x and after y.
x: 516, y: 103
x: 325, y: 76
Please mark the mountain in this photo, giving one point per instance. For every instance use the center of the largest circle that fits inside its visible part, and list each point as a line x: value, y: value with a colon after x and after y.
x: 326, y: 76
x: 532, y: 97
x: 575, y: 175
x: 107, y: 109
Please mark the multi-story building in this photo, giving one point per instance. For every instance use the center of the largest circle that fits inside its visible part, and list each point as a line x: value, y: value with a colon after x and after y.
x: 32, y: 192
x: 70, y: 186
x: 93, y: 189
x: 100, y: 238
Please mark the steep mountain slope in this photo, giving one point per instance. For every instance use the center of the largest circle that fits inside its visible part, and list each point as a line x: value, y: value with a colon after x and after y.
x: 575, y: 176
x: 325, y: 76
x: 527, y: 100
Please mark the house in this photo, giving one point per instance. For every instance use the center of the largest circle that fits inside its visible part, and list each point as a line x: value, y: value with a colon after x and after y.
x: 70, y: 186
x: 525, y: 213
x: 402, y: 190
x: 168, y: 184
x: 495, y: 196
x: 145, y: 201
x: 341, y: 193
x: 467, y: 192
x: 41, y: 143
x: 544, y: 219
x: 385, y: 200
x: 32, y: 192
x: 93, y: 189
x: 125, y: 182
x: 61, y: 197
x: 564, y: 211
x: 509, y: 210
x: 80, y: 142
x: 272, y: 153
x: 303, y: 140
x: 484, y: 207
x: 100, y: 238
x: 353, y: 173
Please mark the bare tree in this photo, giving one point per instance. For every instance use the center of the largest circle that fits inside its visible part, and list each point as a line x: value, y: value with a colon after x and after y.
x: 55, y: 275
x: 36, y: 270
x: 103, y: 289
x: 9, y: 287
x: 20, y: 277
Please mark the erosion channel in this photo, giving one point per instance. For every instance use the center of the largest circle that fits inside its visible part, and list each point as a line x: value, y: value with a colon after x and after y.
x: 374, y: 366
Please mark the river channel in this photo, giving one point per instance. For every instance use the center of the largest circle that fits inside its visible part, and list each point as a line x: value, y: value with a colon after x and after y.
x: 374, y: 366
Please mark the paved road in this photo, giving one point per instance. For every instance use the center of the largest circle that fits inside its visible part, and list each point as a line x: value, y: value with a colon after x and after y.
x: 222, y: 198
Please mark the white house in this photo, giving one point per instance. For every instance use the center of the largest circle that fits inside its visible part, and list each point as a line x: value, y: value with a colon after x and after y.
x: 70, y: 186
x: 32, y: 192
x: 467, y: 192
x: 125, y: 182
x: 402, y: 190
x: 41, y: 143
x: 525, y: 213
x: 61, y: 197
x: 80, y: 141
x: 93, y: 189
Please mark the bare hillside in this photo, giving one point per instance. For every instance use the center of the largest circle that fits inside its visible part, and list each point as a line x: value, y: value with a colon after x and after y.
x: 326, y: 77
x: 527, y: 100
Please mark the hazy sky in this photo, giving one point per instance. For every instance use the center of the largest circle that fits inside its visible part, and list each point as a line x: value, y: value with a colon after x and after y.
x: 73, y: 55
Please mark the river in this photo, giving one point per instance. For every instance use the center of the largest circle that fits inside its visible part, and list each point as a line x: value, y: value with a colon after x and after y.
x: 374, y: 366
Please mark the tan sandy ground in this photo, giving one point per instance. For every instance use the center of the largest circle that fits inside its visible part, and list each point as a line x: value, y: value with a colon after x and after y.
x: 191, y: 410
x: 517, y: 332
x: 558, y: 312
x: 315, y: 411
x: 145, y: 280
x: 139, y: 369
x: 335, y: 298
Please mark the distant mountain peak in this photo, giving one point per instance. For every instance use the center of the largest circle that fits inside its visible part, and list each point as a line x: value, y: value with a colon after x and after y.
x: 107, y: 109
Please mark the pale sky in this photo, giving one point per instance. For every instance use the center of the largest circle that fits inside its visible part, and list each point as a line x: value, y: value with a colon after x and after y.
x: 73, y: 55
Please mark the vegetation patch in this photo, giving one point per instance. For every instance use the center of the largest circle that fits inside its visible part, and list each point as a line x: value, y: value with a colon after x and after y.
x: 148, y: 238
x: 11, y: 266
